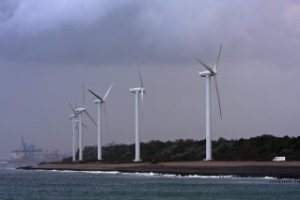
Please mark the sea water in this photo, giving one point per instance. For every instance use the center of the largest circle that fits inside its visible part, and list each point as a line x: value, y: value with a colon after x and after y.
x: 31, y: 185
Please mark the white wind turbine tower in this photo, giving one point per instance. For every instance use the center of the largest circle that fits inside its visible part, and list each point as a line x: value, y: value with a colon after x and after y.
x: 75, y: 125
x: 100, y: 103
x: 79, y: 112
x: 138, y: 91
x: 210, y: 72
x: 73, y: 118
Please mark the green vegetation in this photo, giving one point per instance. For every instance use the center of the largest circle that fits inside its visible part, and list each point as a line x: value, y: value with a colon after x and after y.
x: 261, y: 148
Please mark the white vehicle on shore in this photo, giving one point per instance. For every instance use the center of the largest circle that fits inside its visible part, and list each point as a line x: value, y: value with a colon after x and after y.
x: 279, y: 159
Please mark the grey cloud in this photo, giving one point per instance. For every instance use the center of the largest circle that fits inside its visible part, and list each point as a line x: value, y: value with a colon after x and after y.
x: 154, y: 31
x: 7, y: 9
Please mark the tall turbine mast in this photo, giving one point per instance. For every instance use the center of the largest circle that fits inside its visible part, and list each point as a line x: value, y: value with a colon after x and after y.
x: 73, y: 118
x: 100, y: 103
x: 137, y: 92
x: 208, y: 74
x: 75, y: 128
x: 80, y: 111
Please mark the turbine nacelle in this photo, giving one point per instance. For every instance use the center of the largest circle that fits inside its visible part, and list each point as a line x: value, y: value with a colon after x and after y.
x: 207, y: 73
x: 138, y: 89
x: 96, y: 101
x: 79, y: 110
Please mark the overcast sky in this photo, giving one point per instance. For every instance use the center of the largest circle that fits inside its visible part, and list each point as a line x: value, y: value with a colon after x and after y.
x: 49, y: 48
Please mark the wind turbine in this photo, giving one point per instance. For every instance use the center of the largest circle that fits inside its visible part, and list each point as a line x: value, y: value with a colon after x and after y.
x: 75, y: 125
x: 78, y: 112
x: 73, y: 118
x: 100, y: 103
x: 210, y: 72
x: 138, y: 91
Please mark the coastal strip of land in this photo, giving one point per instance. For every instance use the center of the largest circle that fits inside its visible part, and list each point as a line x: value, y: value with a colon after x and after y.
x: 289, y: 169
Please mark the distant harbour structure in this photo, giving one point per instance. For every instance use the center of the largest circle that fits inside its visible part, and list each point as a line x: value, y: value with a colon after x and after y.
x: 28, y: 153
x: 208, y: 74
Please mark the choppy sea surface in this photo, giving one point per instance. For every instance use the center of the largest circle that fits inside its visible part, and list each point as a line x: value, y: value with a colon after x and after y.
x: 31, y: 185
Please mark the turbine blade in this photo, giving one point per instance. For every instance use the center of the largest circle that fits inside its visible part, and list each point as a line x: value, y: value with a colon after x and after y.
x: 89, y: 116
x: 107, y: 92
x: 218, y: 95
x: 141, y: 80
x: 73, y: 109
x: 142, y: 110
x: 206, y: 67
x: 97, y: 96
x: 142, y: 96
x: 83, y: 94
x: 105, y: 116
x: 142, y: 92
x: 85, y: 126
x: 217, y: 63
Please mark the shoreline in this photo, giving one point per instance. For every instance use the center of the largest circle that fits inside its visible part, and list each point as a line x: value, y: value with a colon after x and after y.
x: 288, y: 169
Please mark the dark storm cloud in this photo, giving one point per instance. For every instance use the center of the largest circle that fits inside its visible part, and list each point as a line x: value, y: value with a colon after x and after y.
x: 170, y: 31
x: 7, y: 9
x: 64, y: 33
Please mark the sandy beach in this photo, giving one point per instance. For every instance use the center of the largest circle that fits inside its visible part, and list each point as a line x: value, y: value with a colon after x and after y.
x: 238, y: 168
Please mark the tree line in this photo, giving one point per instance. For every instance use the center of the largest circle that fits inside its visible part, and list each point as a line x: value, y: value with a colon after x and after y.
x: 260, y: 148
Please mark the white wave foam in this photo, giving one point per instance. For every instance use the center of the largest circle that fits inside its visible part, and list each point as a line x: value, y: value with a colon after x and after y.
x: 256, y: 177
x: 8, y: 168
x: 101, y: 172
x: 210, y: 176
x: 152, y: 174
x: 269, y: 178
x: 87, y: 172
x: 64, y: 171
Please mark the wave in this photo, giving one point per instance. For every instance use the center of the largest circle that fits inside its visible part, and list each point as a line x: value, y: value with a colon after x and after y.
x: 88, y: 172
x: 152, y: 174
x: 7, y: 166
x: 102, y: 172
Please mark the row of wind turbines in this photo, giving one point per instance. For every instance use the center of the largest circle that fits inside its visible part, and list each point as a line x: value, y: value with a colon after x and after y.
x: 139, y: 92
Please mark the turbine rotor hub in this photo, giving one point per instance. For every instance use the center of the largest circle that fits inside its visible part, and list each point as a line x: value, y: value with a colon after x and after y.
x: 96, y: 101
x: 207, y: 73
x: 134, y: 90
x: 80, y: 109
